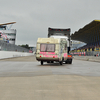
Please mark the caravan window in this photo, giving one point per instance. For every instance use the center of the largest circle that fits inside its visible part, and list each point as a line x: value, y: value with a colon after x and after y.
x: 47, y: 47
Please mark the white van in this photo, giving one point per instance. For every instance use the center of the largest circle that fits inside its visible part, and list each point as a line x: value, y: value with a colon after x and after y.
x: 51, y: 49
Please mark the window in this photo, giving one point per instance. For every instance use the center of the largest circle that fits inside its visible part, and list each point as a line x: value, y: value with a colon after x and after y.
x: 11, y: 34
x: 47, y: 47
x: 43, y: 47
x: 12, y: 39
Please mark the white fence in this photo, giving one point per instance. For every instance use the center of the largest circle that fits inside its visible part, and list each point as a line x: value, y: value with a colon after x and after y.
x: 10, y: 54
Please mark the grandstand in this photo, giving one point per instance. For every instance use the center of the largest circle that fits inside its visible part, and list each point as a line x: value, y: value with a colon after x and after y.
x: 89, y: 34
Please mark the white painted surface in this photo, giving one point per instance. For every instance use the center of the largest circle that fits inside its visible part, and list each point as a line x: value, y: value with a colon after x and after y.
x: 10, y: 54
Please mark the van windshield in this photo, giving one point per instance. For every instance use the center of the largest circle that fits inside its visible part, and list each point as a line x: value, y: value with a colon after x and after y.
x: 47, y: 47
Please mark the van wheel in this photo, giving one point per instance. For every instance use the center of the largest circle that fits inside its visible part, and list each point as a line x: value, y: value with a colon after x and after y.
x: 41, y: 62
x: 61, y: 62
x: 70, y: 62
x: 48, y: 61
x: 66, y: 62
x: 52, y: 61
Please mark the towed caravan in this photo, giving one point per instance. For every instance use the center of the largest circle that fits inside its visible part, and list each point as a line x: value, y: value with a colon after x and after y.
x: 52, y: 49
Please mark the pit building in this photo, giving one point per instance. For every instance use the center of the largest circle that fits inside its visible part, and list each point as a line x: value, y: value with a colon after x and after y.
x: 7, y: 34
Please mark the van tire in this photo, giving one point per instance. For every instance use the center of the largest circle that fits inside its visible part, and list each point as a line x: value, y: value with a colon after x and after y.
x: 70, y: 62
x: 61, y: 62
x: 52, y: 61
x: 41, y: 62
x: 48, y: 61
x: 66, y: 62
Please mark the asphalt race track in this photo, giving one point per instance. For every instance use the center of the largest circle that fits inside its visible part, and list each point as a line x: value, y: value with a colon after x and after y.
x: 24, y: 78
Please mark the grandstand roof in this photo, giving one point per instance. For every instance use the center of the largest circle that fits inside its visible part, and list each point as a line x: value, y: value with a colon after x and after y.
x: 7, y: 23
x: 88, y: 32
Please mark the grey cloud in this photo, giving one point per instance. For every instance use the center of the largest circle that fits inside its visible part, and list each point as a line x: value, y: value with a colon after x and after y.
x: 33, y: 17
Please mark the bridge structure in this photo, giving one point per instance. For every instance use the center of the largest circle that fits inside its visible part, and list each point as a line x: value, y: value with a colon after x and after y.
x: 89, y: 34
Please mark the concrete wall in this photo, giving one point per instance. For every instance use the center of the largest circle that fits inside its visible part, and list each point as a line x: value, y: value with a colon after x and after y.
x: 10, y: 54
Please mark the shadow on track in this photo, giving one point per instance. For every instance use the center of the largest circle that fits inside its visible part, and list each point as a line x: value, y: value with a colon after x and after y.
x: 55, y: 64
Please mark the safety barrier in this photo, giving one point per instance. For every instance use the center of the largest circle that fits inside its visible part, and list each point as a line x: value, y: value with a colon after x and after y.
x: 11, y: 54
x: 87, y: 53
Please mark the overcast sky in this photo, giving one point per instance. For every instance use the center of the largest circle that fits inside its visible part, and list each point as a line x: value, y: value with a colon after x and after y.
x: 33, y: 17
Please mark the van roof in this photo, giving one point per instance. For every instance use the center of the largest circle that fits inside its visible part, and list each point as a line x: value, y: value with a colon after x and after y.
x: 55, y: 36
x: 48, y: 40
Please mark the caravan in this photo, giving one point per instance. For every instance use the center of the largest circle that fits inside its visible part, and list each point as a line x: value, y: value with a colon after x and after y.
x: 52, y: 49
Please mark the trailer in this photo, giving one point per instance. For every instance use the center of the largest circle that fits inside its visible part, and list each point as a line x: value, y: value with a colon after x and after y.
x: 51, y: 50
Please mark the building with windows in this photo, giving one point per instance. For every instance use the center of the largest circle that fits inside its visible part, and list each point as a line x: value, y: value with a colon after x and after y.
x: 7, y: 34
